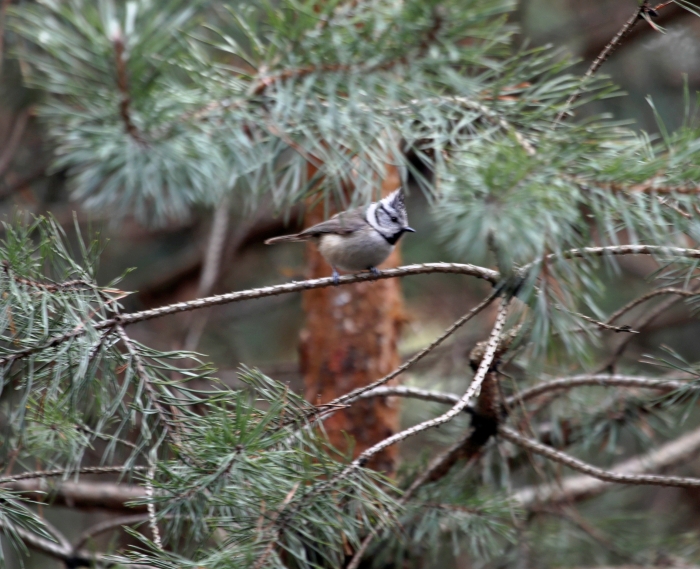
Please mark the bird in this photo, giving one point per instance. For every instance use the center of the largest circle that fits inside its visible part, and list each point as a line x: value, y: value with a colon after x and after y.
x: 358, y: 239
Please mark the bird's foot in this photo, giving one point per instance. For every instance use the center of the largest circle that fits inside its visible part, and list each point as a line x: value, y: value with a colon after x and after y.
x: 374, y: 271
x: 336, y: 277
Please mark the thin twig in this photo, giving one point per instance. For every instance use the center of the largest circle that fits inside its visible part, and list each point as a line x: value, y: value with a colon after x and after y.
x: 107, y: 525
x: 617, y: 476
x: 602, y: 57
x: 601, y: 325
x: 644, y: 321
x: 637, y: 301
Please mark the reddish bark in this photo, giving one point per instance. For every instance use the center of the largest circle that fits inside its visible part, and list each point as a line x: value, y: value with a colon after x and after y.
x: 351, y: 340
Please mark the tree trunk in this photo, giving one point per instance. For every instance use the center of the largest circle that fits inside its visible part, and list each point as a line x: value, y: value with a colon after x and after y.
x: 351, y: 340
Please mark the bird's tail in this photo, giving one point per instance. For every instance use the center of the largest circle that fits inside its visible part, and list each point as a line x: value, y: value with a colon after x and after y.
x: 287, y: 239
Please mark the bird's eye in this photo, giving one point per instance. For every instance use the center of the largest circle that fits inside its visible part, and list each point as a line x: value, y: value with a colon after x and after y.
x: 394, y: 219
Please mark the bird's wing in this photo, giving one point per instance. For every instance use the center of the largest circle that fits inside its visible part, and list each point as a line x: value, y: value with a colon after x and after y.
x: 341, y: 223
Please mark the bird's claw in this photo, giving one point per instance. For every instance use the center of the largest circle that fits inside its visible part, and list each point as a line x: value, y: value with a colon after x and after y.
x: 336, y: 278
x: 374, y: 271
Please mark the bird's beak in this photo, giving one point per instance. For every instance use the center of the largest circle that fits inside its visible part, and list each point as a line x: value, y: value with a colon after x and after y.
x: 409, y: 229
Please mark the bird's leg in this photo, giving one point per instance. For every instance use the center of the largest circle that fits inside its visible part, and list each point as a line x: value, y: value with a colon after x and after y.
x: 375, y: 271
x: 336, y: 277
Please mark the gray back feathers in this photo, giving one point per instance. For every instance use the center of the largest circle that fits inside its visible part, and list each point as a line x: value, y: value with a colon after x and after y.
x: 387, y: 216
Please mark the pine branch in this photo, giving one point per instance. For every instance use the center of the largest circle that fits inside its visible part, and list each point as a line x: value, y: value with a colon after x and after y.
x: 626, y: 473
x: 473, y: 388
x: 263, y: 82
x: 169, y: 425
x: 126, y: 319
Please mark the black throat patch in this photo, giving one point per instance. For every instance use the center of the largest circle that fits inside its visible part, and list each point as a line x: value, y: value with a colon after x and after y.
x: 393, y: 239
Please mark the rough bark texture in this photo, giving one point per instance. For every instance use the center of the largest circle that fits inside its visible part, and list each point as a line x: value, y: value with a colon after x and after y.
x: 350, y: 340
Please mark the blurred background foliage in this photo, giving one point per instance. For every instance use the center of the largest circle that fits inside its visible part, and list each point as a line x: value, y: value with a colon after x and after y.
x: 167, y: 256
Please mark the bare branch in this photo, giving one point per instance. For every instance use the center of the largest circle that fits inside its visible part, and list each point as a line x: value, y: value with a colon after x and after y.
x: 399, y: 272
x: 637, y: 301
x: 596, y: 380
x: 628, y: 472
x: 601, y: 380
x: 152, y: 520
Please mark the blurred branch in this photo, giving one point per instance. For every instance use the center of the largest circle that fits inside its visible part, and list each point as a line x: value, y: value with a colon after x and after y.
x: 123, y: 86
x: 107, y: 525
x: 82, y: 494
x: 18, y: 127
x: 211, y: 269
x: 598, y: 480
x: 22, y: 183
x: 64, y: 471
x: 72, y: 557
x: 3, y: 11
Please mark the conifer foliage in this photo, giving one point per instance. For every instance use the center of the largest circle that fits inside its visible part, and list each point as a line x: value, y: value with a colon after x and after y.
x: 156, y: 108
